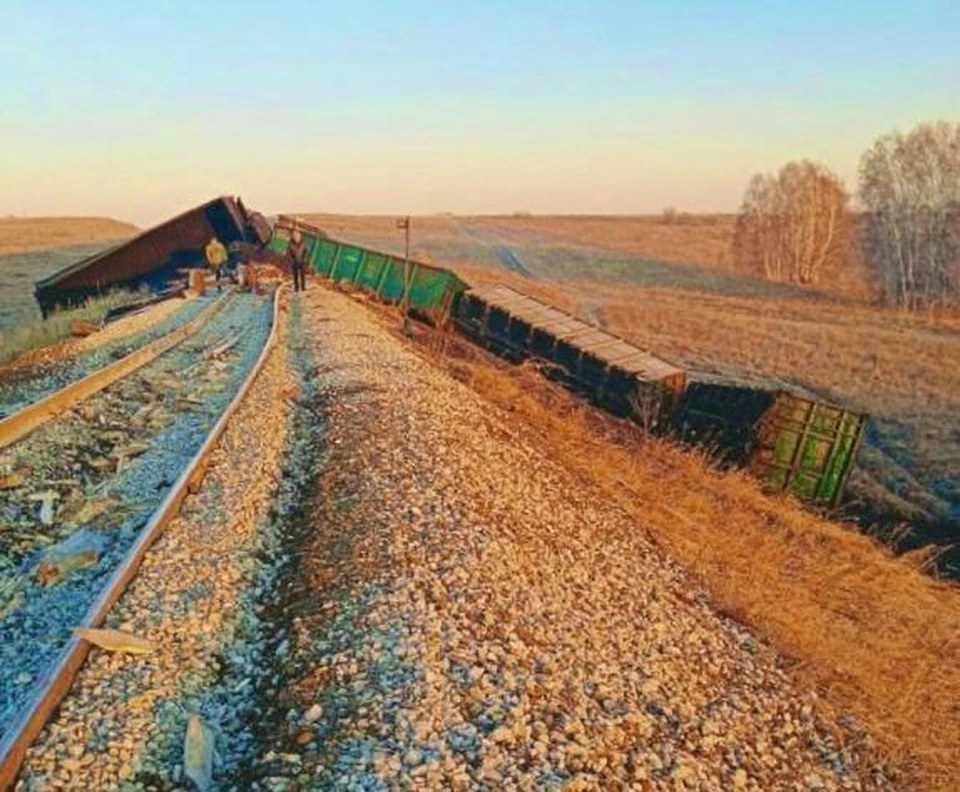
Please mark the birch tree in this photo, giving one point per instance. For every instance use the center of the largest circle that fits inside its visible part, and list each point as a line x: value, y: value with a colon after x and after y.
x: 910, y: 187
x: 793, y: 226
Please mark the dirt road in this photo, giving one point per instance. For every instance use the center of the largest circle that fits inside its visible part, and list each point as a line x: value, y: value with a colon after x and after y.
x: 508, y: 257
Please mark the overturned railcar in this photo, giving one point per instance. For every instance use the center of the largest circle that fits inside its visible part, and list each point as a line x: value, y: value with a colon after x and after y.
x: 792, y: 442
x: 613, y: 373
x: 153, y: 256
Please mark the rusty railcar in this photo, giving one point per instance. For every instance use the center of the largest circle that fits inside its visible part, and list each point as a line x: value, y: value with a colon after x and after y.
x: 621, y: 377
x: 154, y: 254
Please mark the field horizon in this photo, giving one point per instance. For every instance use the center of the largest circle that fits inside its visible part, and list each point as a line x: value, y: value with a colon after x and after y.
x: 666, y: 282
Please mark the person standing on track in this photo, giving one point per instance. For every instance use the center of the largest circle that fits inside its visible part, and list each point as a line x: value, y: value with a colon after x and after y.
x: 216, y: 255
x: 297, y: 256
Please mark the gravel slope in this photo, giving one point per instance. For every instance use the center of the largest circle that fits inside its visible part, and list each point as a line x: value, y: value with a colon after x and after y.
x: 470, y: 615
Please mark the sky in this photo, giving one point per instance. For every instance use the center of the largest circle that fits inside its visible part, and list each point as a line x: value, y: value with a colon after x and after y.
x: 141, y: 111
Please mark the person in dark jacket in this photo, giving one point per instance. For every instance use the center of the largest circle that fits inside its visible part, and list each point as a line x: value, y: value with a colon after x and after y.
x: 297, y: 256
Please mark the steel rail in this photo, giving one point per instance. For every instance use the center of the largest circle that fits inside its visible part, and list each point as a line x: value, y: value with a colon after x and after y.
x: 21, y: 423
x: 56, y: 683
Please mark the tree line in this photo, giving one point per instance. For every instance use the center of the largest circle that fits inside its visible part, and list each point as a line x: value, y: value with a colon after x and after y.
x: 798, y: 225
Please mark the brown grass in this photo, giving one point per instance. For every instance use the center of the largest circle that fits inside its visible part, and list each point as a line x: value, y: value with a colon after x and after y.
x: 900, y: 368
x: 699, y: 239
x: 380, y: 231
x: 18, y: 347
x: 872, y: 633
x: 703, y: 240
x: 20, y: 234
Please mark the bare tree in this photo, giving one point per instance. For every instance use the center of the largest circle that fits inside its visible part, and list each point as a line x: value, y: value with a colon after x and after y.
x: 910, y: 187
x: 793, y: 226
x: 756, y: 243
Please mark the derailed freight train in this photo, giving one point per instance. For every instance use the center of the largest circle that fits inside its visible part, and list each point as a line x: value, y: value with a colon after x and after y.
x: 624, y: 379
x: 793, y: 442
x: 155, y: 255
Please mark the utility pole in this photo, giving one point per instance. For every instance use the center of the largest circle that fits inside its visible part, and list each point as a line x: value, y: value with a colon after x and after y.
x: 404, y: 223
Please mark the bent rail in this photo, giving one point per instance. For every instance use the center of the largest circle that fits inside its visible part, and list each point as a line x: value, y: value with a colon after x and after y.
x: 57, y: 683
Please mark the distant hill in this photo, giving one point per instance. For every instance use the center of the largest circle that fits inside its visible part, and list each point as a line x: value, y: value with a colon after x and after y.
x: 22, y: 234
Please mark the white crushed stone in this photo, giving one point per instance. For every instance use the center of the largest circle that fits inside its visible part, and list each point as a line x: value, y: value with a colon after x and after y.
x: 475, y: 616
x: 126, y: 715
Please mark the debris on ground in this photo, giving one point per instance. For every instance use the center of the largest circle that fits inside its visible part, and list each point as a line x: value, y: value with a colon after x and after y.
x: 78, y: 551
x: 115, y: 640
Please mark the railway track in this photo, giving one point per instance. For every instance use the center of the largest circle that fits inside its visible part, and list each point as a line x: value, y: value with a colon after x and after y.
x: 394, y: 614
x: 32, y: 416
x: 88, y: 489
x: 34, y: 378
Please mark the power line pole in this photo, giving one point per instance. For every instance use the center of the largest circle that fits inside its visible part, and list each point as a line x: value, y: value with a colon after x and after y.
x: 404, y: 223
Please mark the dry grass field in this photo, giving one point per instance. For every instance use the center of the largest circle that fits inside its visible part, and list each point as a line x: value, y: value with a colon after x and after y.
x: 20, y: 234
x: 701, y: 240
x: 32, y: 247
x: 904, y: 369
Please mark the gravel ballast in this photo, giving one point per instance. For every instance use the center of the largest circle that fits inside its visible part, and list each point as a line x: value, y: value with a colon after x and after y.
x: 123, y: 723
x: 469, y: 614
x: 103, y: 468
x: 384, y: 583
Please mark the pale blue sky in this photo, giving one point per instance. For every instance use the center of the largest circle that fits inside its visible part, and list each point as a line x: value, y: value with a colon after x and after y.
x: 138, y: 112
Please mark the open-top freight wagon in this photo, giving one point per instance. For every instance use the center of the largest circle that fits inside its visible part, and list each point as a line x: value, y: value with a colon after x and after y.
x: 793, y: 442
x: 426, y: 290
x: 153, y: 256
x: 611, y: 372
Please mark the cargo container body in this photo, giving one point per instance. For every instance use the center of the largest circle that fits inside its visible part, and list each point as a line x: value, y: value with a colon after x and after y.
x: 792, y: 443
x: 611, y: 372
x: 152, y: 256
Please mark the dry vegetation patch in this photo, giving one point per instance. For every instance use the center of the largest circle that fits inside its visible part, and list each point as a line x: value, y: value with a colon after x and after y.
x: 874, y: 634
x: 703, y: 240
x: 29, y: 338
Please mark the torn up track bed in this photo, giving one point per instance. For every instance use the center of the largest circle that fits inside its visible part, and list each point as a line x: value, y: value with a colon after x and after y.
x: 77, y: 491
